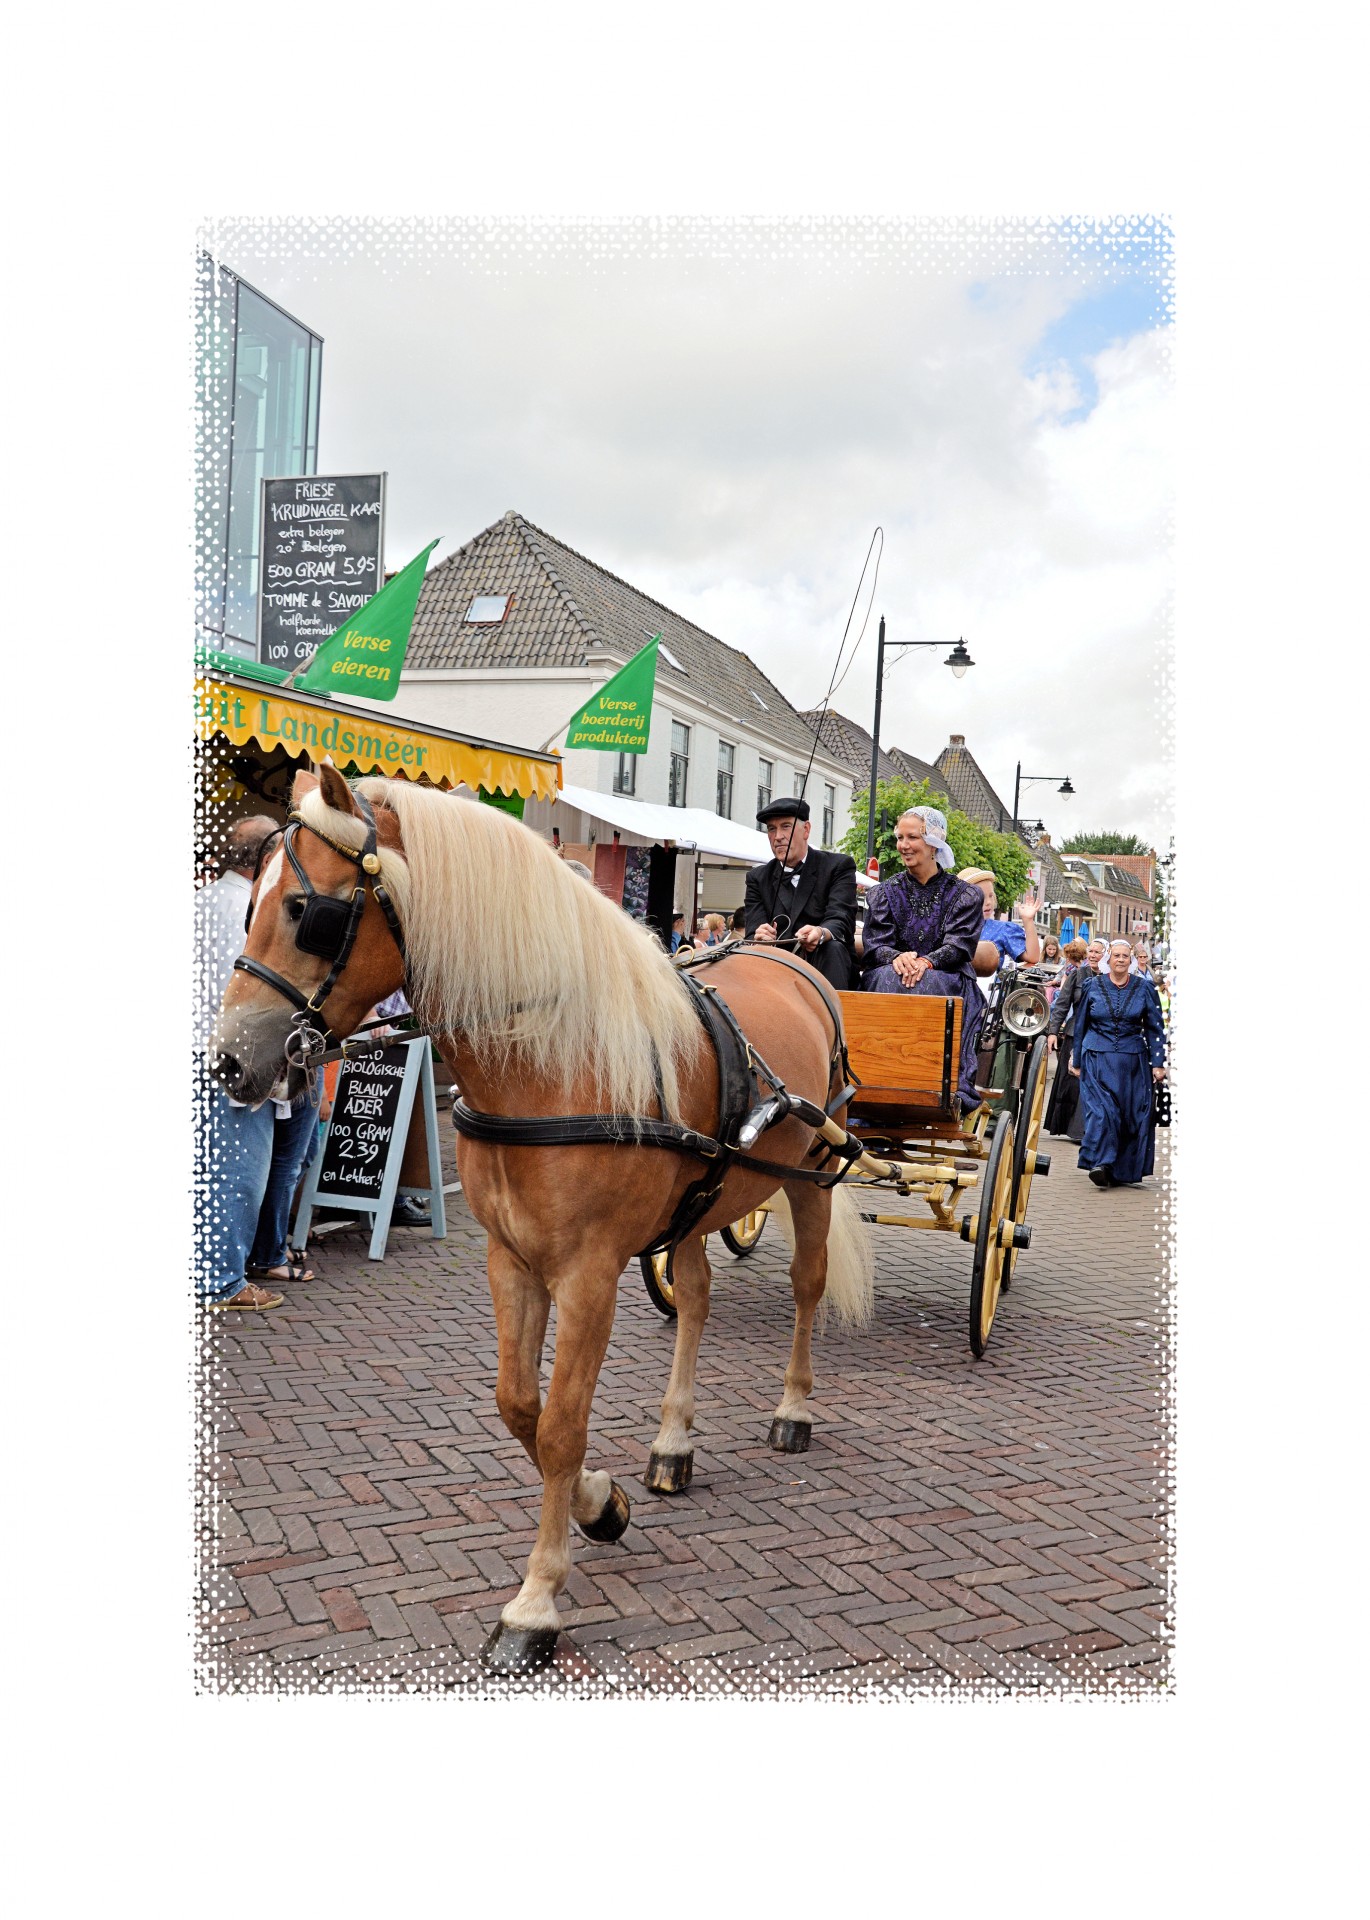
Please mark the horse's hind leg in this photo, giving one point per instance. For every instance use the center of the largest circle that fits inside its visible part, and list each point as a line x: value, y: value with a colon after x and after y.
x: 811, y: 1209
x: 526, y: 1636
x: 672, y: 1458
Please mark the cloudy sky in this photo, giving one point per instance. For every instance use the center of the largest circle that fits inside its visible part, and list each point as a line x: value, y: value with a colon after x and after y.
x: 723, y: 412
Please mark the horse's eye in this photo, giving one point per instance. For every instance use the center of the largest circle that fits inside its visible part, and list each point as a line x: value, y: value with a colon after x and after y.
x: 294, y: 908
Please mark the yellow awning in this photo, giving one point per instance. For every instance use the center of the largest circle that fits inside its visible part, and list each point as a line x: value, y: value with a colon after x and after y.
x: 243, y: 711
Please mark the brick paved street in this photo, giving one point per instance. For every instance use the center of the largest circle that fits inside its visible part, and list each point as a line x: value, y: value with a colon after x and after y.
x: 959, y: 1525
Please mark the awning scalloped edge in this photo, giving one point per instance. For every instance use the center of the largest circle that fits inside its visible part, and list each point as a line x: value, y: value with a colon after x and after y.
x: 376, y: 746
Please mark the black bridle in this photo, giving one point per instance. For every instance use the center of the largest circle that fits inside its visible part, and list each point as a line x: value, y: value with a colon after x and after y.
x: 327, y: 928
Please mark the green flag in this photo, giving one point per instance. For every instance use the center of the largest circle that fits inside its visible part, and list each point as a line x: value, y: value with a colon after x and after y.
x: 367, y: 651
x: 619, y: 718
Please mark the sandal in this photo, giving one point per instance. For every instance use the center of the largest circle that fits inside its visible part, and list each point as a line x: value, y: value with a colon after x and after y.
x: 296, y: 1268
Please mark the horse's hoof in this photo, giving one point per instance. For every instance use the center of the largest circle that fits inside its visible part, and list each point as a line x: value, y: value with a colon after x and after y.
x: 519, y: 1650
x: 612, y: 1523
x: 669, y: 1472
x: 789, y: 1436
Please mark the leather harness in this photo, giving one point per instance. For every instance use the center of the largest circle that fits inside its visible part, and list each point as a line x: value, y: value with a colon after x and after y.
x: 328, y: 929
x: 744, y: 1110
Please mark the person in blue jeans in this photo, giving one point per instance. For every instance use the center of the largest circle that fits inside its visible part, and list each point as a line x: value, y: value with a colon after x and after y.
x: 234, y: 1143
x: 294, y: 1142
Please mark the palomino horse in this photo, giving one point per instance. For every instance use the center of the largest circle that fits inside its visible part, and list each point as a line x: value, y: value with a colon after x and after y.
x: 546, y: 1000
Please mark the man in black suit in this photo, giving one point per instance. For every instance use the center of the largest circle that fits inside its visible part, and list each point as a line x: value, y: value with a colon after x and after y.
x: 803, y: 893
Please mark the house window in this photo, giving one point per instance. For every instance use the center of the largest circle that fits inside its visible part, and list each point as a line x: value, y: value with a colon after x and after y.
x: 764, y: 774
x: 625, y: 774
x: 798, y: 784
x: 680, y: 763
x: 724, y: 800
x: 487, y: 609
x: 829, y: 814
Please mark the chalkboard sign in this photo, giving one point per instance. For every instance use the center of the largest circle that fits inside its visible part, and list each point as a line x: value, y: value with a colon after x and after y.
x: 366, y: 1111
x: 322, y: 543
x: 360, y: 1165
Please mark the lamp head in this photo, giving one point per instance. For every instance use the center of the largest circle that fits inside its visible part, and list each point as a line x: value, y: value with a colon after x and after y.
x: 958, y: 660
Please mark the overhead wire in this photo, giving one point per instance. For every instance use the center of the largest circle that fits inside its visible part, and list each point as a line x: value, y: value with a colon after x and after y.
x: 835, y: 682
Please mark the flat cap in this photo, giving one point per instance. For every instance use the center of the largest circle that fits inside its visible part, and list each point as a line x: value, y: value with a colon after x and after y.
x: 783, y: 810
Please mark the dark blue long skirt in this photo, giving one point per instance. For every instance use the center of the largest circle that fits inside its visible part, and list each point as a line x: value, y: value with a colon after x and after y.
x: 1115, y: 1100
x: 950, y: 986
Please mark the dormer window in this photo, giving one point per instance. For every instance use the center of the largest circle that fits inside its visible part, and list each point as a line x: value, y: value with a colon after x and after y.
x: 488, y: 609
x: 671, y: 660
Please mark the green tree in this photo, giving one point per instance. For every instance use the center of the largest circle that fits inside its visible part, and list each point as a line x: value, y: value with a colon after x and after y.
x: 1003, y: 854
x: 1104, y: 843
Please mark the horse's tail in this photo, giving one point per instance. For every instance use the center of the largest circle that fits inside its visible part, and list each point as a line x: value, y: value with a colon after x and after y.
x: 851, y: 1262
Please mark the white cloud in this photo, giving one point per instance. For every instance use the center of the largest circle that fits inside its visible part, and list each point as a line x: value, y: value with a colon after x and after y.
x: 726, y: 432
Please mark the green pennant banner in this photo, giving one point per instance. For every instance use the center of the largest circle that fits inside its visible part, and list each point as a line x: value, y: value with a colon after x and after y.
x: 366, y: 653
x: 619, y: 718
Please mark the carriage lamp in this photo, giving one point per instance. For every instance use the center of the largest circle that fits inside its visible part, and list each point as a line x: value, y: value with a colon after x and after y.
x: 1026, y: 1012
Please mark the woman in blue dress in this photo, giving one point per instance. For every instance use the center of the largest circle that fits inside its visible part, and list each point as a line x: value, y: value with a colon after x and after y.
x: 922, y: 929
x: 1119, y: 1052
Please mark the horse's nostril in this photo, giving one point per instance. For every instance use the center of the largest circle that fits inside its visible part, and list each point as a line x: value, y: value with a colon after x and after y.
x: 227, y: 1069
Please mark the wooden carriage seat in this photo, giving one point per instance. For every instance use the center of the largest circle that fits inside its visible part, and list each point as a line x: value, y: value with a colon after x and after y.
x: 905, y: 1049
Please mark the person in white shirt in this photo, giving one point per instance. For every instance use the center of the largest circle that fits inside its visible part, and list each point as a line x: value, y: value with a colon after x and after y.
x: 233, y: 1159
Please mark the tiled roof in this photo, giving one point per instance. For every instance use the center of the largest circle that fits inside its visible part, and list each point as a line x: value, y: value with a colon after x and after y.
x: 912, y: 768
x: 1107, y: 878
x: 849, y: 743
x: 1060, y: 887
x: 970, y: 790
x: 564, y: 607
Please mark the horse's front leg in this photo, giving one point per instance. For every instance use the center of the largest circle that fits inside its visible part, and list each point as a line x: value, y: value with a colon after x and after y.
x: 672, y: 1458
x: 526, y: 1636
x: 811, y: 1210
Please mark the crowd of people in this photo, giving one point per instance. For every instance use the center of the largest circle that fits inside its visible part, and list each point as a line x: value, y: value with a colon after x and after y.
x: 932, y: 931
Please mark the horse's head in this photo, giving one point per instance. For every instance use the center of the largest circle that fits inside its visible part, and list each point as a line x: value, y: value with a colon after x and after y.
x: 297, y: 929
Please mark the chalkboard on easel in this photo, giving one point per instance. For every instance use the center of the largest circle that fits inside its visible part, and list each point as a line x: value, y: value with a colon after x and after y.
x: 360, y: 1163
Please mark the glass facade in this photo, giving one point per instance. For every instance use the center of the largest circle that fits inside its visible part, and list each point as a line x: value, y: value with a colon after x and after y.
x: 258, y: 374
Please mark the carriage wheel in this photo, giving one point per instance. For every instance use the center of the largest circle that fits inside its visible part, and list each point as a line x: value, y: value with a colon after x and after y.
x: 741, y: 1237
x: 656, y: 1277
x: 1027, y: 1138
x: 987, y: 1267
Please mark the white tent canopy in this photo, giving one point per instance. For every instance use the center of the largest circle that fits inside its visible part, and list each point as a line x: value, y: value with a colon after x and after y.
x: 708, y: 831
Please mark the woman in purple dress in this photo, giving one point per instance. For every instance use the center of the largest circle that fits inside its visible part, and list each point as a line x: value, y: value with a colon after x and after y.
x: 922, y: 929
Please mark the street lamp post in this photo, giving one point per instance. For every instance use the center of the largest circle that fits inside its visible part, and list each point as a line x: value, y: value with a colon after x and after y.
x: 958, y: 660
x: 1021, y: 779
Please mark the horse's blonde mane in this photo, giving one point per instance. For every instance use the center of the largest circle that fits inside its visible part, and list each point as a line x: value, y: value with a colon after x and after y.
x: 522, y: 957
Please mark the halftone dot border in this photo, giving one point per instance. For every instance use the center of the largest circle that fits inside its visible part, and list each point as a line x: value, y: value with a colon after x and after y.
x: 1100, y: 249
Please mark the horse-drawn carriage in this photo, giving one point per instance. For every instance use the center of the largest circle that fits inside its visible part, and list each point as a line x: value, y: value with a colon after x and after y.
x: 607, y: 1106
x: 903, y: 1051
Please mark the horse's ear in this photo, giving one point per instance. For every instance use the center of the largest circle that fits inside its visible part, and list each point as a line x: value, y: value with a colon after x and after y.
x: 335, y: 790
x: 304, y: 783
